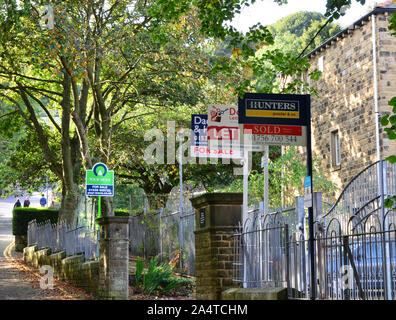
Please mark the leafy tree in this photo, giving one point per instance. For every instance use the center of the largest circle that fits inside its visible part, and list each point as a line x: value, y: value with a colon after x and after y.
x: 107, y: 61
x: 102, y: 63
x: 295, y: 23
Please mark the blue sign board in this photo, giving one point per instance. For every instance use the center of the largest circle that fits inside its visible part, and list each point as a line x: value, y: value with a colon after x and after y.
x: 199, y: 125
x: 98, y: 190
x: 280, y: 109
x: 307, y: 182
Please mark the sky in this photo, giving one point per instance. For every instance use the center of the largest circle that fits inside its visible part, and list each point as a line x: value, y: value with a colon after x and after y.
x: 267, y: 12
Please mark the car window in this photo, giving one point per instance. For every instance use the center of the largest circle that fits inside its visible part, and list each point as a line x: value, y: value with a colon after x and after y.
x: 374, y: 251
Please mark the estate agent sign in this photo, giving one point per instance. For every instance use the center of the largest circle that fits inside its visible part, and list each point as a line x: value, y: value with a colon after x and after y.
x: 99, y: 181
x: 275, y: 119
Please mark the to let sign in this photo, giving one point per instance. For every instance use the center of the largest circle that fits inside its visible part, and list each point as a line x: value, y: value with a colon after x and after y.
x: 223, y: 123
x: 99, y: 181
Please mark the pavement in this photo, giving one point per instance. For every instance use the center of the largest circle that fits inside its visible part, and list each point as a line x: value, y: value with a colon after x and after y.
x: 19, y: 281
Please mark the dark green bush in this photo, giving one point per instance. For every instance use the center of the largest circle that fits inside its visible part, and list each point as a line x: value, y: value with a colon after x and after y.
x: 158, y: 277
x: 125, y: 212
x: 121, y: 212
x: 22, y: 216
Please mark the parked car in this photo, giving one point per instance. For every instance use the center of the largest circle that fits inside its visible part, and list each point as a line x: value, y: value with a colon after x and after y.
x: 367, y: 260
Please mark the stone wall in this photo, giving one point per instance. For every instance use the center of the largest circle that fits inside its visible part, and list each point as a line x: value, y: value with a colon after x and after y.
x: 217, y: 217
x: 346, y: 99
x: 386, y: 65
x: 20, y: 242
x: 214, y: 259
x: 73, y: 269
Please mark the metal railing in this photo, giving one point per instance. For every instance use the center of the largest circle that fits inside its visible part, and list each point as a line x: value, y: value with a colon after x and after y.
x: 369, y: 188
x: 58, y: 237
x: 157, y: 234
x: 354, y: 245
x: 260, y: 265
x: 360, y: 266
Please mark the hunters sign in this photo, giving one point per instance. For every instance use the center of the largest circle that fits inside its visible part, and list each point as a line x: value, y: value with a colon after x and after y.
x: 275, y: 119
x: 261, y: 108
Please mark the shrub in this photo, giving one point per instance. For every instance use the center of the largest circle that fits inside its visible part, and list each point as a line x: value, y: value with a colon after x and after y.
x: 22, y: 216
x: 121, y: 212
x: 157, y: 278
x: 138, y: 212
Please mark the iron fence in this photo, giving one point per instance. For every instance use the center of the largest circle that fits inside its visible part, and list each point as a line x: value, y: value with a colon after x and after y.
x: 360, y: 266
x: 61, y: 236
x: 157, y: 234
x: 365, y: 193
x: 354, y: 245
x: 270, y: 259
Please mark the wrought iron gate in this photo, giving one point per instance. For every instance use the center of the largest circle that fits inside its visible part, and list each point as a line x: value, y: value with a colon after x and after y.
x: 355, y: 245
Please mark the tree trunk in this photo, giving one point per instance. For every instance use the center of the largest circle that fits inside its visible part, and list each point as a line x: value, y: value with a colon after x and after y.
x: 107, y: 208
x: 69, y: 205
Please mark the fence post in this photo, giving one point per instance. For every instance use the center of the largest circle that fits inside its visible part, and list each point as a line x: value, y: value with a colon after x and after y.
x: 160, y: 232
x: 302, y: 222
x: 217, y: 216
x: 287, y: 260
x: 318, y: 204
x: 386, y: 265
x: 113, y: 258
x: 130, y: 204
x: 345, y: 244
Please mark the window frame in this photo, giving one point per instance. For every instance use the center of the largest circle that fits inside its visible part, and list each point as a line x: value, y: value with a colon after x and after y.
x: 335, y: 148
x: 321, y: 63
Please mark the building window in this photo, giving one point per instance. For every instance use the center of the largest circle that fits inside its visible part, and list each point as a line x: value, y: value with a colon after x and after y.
x: 335, y: 149
x: 321, y: 64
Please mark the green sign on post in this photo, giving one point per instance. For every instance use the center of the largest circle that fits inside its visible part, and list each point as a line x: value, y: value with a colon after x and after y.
x: 99, y: 182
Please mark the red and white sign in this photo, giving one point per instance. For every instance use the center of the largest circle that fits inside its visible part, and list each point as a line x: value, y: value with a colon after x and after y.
x: 220, y: 152
x: 222, y: 128
x: 272, y: 134
x: 222, y: 133
x: 273, y: 129
x: 222, y: 116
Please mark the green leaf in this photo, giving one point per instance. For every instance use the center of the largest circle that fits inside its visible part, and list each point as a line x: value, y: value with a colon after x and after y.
x: 139, y: 270
x: 388, y: 203
x: 391, y: 133
x: 384, y: 120
x: 391, y: 159
x: 392, y: 102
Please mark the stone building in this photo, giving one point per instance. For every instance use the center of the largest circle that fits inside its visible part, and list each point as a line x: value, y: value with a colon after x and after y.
x: 358, y: 80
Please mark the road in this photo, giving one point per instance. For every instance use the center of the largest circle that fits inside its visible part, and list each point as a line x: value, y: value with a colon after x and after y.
x: 7, y: 204
x: 11, y: 286
x: 18, y: 281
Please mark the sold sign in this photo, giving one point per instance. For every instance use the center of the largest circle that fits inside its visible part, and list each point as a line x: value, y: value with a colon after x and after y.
x: 272, y: 129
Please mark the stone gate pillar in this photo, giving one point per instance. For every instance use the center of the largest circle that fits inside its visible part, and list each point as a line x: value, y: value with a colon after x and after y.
x: 217, y: 216
x: 113, y: 258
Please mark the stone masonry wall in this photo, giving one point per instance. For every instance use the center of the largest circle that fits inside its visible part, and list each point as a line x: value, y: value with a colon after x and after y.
x: 346, y: 99
x: 214, y: 257
x: 386, y: 65
x: 74, y: 269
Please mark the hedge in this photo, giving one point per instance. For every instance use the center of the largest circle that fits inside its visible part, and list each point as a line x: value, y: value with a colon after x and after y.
x: 121, y: 212
x: 21, y: 217
x: 126, y: 213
